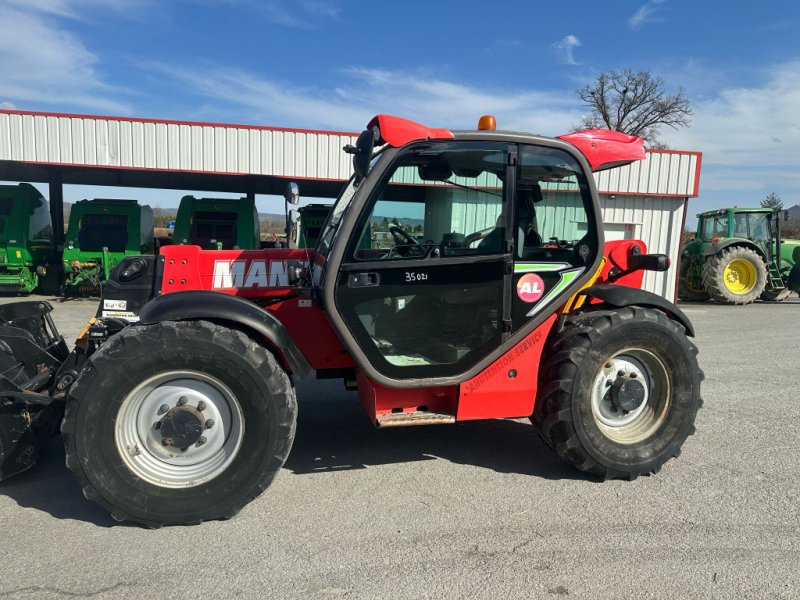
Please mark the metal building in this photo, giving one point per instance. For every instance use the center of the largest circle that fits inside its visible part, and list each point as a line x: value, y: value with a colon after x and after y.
x: 645, y: 200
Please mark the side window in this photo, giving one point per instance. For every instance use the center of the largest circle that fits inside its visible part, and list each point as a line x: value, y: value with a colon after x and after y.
x: 553, y: 220
x: 40, y: 227
x: 447, y: 196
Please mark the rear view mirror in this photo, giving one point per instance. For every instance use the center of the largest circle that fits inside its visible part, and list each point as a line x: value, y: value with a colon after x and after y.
x: 292, y: 193
x: 362, y: 152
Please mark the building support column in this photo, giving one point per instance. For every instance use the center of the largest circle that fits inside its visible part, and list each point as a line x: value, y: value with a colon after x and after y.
x: 57, y: 210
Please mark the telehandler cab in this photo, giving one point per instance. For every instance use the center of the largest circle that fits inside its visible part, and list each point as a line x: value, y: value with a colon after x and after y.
x: 504, y: 302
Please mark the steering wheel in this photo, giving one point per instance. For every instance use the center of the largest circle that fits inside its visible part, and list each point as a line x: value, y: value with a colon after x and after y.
x: 403, y: 239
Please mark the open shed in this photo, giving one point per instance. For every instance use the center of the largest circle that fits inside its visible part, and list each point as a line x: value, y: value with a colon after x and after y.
x: 646, y: 200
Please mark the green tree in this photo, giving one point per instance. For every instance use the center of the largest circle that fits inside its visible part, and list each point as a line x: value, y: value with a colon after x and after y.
x: 634, y: 103
x: 773, y: 201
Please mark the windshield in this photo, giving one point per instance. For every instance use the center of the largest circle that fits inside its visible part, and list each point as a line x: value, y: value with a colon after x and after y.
x: 337, y: 212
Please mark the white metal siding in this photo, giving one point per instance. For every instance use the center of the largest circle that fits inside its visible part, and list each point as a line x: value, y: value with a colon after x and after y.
x: 106, y: 142
x: 661, y: 173
x: 110, y: 142
x: 657, y: 222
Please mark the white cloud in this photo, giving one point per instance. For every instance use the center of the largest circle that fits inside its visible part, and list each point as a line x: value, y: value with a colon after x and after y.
x: 750, y: 139
x: 43, y: 63
x: 364, y: 92
x: 647, y: 13
x: 75, y: 9
x: 566, y: 48
x: 748, y: 126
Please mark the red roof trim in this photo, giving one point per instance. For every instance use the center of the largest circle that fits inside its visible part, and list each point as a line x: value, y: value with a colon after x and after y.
x: 32, y: 113
x: 397, y: 131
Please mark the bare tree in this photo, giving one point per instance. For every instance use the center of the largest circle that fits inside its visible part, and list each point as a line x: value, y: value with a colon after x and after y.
x: 772, y: 201
x: 634, y: 103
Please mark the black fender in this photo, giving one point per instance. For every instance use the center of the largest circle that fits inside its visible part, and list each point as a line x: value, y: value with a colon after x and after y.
x: 719, y: 246
x: 216, y: 306
x: 621, y: 296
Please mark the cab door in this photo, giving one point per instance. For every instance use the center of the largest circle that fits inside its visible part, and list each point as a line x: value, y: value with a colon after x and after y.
x: 425, y: 277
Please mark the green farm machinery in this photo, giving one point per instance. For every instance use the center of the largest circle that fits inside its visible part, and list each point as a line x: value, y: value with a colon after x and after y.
x: 218, y: 223
x: 100, y: 234
x: 738, y: 256
x: 311, y: 219
x: 26, y: 239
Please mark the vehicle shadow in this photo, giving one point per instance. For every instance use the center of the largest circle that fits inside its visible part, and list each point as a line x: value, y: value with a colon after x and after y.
x: 49, y: 487
x: 336, y: 435
x: 333, y: 434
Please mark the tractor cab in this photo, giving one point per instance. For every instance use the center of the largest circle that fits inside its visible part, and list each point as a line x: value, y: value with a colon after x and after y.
x: 26, y: 238
x: 217, y: 223
x: 101, y: 232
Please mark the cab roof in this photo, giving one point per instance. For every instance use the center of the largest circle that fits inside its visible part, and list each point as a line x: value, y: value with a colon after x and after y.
x: 603, y: 148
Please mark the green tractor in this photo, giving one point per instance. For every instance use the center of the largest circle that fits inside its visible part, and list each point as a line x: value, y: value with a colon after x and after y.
x: 311, y: 219
x: 218, y: 223
x: 738, y: 256
x: 26, y: 239
x: 100, y: 234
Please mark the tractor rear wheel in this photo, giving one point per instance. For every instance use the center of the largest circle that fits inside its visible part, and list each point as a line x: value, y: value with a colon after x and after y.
x: 178, y: 423
x: 736, y: 275
x: 620, y: 392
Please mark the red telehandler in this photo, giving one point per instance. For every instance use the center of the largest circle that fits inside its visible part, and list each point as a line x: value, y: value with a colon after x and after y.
x: 460, y: 275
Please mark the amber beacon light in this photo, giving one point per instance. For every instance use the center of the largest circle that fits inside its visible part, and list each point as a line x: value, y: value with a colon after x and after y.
x: 487, y: 123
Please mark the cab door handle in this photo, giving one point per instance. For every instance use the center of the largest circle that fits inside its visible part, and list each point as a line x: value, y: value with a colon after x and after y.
x: 358, y: 280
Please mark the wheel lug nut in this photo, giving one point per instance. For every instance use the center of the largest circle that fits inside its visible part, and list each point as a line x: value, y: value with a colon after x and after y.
x: 201, y: 406
x: 157, y: 425
x: 633, y: 375
x: 162, y: 409
x: 613, y: 409
x: 620, y: 373
x: 209, y: 423
x: 182, y: 400
x: 609, y: 383
x: 201, y: 441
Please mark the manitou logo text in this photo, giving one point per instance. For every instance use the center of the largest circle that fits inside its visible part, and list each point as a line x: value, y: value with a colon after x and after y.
x: 252, y: 274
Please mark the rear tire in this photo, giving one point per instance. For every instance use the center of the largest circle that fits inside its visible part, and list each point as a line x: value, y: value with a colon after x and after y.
x: 577, y: 414
x: 736, y: 275
x: 127, y: 455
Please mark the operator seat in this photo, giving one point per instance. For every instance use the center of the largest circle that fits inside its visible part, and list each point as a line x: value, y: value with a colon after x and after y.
x: 493, y: 242
x: 527, y: 236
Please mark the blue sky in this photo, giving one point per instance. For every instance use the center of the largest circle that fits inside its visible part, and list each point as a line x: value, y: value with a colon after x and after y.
x: 335, y: 63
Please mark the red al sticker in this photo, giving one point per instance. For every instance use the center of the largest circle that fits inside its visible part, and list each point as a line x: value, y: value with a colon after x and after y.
x: 530, y: 287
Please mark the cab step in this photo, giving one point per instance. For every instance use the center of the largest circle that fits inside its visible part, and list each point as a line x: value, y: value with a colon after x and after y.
x: 405, y: 419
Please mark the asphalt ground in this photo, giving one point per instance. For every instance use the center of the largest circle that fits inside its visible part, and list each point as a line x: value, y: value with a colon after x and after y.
x: 472, y: 510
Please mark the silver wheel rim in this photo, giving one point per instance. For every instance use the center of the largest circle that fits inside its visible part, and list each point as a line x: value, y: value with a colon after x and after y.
x: 141, y: 445
x: 641, y: 422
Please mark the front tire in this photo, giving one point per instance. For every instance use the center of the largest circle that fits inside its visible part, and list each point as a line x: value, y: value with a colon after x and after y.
x: 687, y: 291
x: 620, y: 392
x: 736, y: 275
x: 178, y: 423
